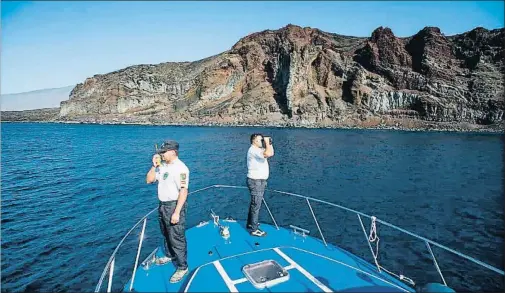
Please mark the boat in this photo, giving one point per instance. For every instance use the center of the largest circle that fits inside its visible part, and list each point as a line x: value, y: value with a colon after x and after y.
x: 224, y: 257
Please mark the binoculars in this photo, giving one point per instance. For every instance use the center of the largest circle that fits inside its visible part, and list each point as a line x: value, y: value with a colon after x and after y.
x: 263, y: 141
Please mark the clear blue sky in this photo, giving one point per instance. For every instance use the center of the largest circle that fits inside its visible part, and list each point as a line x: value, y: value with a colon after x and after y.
x: 55, y: 44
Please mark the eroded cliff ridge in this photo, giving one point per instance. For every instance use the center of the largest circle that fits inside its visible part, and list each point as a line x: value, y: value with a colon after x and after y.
x: 307, y: 77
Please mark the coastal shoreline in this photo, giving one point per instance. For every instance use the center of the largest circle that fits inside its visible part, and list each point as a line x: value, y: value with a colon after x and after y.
x: 428, y: 128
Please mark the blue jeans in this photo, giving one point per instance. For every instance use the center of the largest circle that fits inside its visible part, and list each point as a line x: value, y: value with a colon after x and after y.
x: 257, y: 190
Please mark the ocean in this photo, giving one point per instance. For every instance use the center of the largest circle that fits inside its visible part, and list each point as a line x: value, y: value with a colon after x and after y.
x: 69, y: 192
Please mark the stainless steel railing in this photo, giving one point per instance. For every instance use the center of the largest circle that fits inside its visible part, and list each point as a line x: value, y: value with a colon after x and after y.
x: 110, y: 264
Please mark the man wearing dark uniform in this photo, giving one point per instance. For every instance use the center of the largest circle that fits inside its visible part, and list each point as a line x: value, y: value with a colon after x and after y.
x: 173, y: 181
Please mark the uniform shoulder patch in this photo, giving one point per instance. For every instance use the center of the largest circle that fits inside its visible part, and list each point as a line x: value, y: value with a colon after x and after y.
x: 184, y: 181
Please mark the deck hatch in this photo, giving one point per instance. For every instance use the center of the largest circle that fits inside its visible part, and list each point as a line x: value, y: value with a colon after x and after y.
x: 266, y: 273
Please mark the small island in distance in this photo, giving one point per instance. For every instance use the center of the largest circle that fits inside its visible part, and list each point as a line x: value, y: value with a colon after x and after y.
x: 304, y: 77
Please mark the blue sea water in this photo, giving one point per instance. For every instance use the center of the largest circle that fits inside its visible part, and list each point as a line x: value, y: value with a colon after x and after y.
x: 69, y: 192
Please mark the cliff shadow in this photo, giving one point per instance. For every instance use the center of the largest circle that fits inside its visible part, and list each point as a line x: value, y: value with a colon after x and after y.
x: 347, y: 95
x: 279, y: 80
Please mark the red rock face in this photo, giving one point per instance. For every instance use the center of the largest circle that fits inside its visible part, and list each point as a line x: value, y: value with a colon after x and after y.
x: 383, y: 49
x: 432, y: 53
x: 307, y: 76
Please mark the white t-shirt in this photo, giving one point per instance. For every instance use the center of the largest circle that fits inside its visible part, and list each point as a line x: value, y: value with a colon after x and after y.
x: 171, y: 178
x: 257, y: 164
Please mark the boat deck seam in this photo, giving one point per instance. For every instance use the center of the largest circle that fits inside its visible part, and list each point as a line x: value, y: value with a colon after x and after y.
x: 351, y: 267
x: 224, y: 276
x: 292, y: 264
x: 303, y: 271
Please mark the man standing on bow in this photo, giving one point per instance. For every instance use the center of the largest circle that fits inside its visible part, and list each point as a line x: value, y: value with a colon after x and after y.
x: 257, y: 176
x: 173, y: 181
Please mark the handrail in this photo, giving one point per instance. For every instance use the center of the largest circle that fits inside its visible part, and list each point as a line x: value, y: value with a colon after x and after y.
x: 138, y: 254
x: 97, y: 288
x: 436, y: 263
x: 370, y: 246
x: 397, y: 228
x: 308, y: 199
x: 317, y: 224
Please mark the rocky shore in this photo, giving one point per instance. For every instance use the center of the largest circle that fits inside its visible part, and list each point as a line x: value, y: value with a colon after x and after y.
x: 39, y: 115
x: 399, y: 125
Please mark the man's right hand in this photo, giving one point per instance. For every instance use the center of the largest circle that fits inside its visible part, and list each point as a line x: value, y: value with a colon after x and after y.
x: 267, y: 140
x: 151, y: 175
x: 156, y: 160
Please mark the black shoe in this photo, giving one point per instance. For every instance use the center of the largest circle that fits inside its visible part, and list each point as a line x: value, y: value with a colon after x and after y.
x: 258, y: 233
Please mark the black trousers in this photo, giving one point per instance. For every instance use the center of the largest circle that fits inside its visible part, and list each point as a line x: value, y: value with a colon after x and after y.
x: 175, y: 234
x: 257, y: 190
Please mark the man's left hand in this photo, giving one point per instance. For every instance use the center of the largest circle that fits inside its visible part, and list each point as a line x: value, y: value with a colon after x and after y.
x: 175, y: 218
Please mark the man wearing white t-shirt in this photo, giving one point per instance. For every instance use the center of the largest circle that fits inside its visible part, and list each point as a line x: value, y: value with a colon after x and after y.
x: 173, y: 181
x: 257, y: 176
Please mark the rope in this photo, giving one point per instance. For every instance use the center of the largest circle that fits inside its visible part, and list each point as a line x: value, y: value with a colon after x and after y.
x: 374, y: 237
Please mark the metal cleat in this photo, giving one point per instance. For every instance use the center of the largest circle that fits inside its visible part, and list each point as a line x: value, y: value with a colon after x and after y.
x: 299, y: 231
x: 202, y: 223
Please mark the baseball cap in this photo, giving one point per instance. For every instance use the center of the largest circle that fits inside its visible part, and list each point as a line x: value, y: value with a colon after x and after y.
x: 168, y: 145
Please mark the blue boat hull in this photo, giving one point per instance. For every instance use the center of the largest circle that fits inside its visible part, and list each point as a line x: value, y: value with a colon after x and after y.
x: 216, y: 264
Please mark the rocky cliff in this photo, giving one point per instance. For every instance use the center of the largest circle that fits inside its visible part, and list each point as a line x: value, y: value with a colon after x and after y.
x: 304, y: 76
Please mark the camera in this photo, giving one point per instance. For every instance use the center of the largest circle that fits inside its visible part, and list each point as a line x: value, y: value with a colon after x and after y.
x: 263, y: 141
